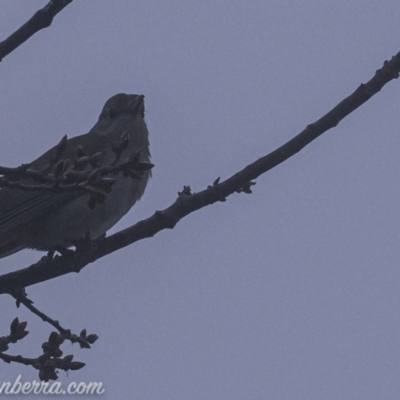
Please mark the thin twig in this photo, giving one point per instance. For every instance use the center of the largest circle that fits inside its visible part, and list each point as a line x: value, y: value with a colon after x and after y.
x: 29, y: 305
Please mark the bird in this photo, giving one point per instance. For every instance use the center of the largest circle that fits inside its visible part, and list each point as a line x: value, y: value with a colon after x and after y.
x: 47, y: 220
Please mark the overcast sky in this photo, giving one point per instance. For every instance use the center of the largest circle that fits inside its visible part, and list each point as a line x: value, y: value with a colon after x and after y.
x: 292, y: 292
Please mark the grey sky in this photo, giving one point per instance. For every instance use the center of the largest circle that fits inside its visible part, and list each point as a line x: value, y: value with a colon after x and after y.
x: 289, y: 293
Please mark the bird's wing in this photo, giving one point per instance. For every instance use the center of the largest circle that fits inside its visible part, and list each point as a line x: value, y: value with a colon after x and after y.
x: 9, y: 248
x: 18, y: 206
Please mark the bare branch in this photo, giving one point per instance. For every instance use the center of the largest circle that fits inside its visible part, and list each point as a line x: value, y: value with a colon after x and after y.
x: 49, y: 362
x: 83, y: 175
x: 49, y: 268
x: 40, y: 20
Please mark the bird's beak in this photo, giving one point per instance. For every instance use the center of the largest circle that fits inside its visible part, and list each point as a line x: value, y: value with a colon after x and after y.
x: 136, y: 105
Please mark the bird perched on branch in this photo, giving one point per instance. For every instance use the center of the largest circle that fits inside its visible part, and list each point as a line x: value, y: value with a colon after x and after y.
x: 81, y: 187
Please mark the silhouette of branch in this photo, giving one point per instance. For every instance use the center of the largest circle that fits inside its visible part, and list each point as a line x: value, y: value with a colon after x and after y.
x: 186, y: 203
x: 82, y: 175
x: 40, y: 20
x: 50, y: 361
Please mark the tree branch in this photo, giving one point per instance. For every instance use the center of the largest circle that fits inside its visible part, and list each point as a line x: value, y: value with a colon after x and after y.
x: 49, y: 268
x: 40, y: 20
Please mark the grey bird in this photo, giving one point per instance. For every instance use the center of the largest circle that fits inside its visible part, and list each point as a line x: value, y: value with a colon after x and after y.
x: 48, y: 221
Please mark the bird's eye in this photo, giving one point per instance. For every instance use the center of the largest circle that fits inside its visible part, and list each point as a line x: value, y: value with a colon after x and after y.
x: 111, y: 113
